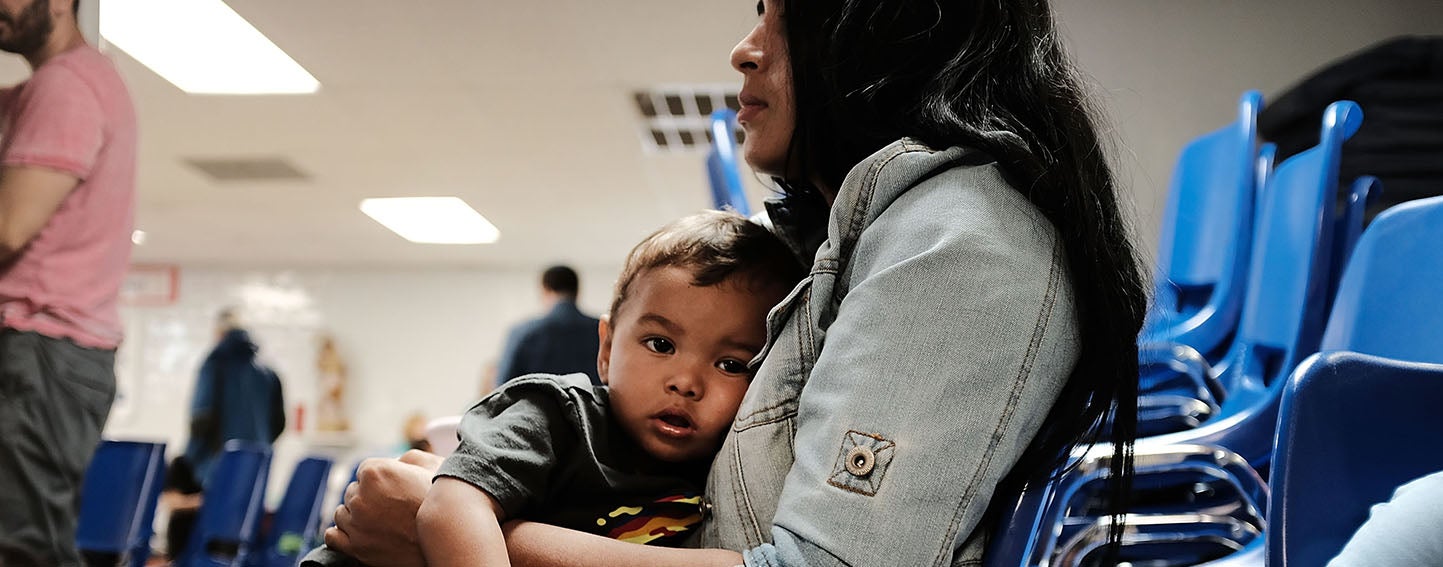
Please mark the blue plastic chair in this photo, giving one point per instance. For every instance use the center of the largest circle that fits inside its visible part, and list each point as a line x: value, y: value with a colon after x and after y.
x: 1051, y: 521
x: 297, y: 523
x: 1353, y: 428
x: 1287, y: 294
x: 1363, y: 193
x: 1356, y: 426
x: 232, y: 507
x: 1206, y: 236
x: 117, y: 502
x: 1287, y: 282
x: 722, y: 167
x: 1388, y: 301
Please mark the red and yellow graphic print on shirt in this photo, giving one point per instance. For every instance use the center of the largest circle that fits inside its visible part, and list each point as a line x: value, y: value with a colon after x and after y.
x: 667, y: 521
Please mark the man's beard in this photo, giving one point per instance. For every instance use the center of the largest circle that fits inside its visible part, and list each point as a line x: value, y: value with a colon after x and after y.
x: 29, y: 30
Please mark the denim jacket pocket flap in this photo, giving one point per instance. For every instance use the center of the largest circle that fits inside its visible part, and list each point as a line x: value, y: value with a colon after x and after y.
x: 776, y: 386
x: 777, y: 318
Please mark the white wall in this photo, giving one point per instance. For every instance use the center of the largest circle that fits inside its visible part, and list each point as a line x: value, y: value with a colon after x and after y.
x: 1170, y: 70
x: 414, y: 340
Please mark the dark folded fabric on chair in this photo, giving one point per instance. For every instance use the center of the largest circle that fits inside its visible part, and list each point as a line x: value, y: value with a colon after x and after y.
x: 1399, y: 85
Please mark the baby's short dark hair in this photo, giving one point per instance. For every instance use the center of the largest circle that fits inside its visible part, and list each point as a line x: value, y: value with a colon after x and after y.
x: 714, y: 246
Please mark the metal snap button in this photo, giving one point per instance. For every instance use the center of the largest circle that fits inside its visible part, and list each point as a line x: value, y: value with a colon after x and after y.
x: 860, y: 461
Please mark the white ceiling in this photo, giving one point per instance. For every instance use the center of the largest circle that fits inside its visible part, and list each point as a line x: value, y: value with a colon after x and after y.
x: 524, y: 110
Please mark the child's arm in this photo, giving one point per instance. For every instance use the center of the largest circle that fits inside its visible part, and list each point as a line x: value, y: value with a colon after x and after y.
x: 460, y: 525
x: 535, y: 544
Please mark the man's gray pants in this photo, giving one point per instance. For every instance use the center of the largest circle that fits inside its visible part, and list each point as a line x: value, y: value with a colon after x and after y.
x: 54, y: 398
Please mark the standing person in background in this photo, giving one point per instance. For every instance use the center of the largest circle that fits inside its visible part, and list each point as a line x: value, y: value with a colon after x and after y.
x: 563, y: 341
x: 236, y: 397
x: 67, y: 202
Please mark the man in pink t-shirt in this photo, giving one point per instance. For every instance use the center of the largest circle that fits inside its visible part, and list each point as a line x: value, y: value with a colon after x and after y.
x: 67, y: 203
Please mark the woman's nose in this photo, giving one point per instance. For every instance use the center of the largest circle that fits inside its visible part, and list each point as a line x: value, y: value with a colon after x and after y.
x: 747, y: 55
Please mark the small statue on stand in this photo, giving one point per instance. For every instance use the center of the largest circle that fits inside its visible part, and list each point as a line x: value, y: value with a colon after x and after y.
x: 331, y: 410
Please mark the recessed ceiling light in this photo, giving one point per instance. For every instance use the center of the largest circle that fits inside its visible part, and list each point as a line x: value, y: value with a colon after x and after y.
x: 202, y: 47
x: 432, y: 220
x: 137, y: 237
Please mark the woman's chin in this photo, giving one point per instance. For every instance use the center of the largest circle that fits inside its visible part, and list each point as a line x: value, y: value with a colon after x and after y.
x: 764, y: 163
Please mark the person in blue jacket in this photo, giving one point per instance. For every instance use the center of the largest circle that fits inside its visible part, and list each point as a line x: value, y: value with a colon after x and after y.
x: 236, y: 397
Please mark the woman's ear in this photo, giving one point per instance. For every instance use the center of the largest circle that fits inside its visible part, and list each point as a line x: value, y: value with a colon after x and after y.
x: 603, y: 354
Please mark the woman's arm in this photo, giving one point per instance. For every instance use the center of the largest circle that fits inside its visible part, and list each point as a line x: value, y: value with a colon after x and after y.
x: 533, y: 544
x: 459, y: 525
x: 954, y: 339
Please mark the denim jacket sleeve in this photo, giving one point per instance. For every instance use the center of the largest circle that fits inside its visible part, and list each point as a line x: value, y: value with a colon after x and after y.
x: 951, y: 334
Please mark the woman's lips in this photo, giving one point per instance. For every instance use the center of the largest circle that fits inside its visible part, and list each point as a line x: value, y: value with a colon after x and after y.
x: 751, y: 106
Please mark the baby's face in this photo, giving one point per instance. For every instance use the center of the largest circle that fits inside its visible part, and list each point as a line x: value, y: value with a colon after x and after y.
x: 675, y: 357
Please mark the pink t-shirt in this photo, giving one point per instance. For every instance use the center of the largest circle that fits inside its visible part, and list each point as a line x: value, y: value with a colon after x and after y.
x: 73, y: 115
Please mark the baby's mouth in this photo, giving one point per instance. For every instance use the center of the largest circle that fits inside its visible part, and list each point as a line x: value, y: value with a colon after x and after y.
x: 674, y: 423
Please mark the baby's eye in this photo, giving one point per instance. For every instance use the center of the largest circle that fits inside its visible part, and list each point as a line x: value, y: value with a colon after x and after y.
x: 659, y: 345
x: 732, y: 366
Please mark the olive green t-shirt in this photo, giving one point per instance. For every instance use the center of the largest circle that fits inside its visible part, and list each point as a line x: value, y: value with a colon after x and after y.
x: 547, y: 449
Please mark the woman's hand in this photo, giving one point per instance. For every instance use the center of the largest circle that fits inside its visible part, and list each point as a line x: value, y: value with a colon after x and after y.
x: 376, y: 521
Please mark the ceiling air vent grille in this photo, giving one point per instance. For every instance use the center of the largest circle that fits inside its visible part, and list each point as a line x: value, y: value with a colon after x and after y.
x: 247, y: 169
x: 678, y: 118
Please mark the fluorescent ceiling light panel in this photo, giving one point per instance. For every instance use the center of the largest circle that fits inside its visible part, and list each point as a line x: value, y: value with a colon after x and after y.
x: 202, y: 47
x: 432, y: 220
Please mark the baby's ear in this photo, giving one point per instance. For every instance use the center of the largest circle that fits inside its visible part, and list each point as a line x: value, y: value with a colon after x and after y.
x: 603, y: 354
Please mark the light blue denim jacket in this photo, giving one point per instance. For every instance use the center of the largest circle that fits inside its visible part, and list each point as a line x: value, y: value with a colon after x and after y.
x: 903, y: 378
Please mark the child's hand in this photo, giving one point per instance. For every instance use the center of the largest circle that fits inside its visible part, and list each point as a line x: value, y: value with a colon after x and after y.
x: 376, y: 522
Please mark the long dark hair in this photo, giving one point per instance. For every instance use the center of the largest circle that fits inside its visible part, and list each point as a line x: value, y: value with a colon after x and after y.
x: 992, y: 75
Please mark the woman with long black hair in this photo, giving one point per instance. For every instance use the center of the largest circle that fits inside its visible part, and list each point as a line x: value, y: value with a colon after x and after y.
x: 973, y: 305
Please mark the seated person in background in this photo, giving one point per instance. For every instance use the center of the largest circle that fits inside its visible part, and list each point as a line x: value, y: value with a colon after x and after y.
x: 181, y: 496
x: 1402, y: 532
x: 415, y: 433
x: 625, y: 460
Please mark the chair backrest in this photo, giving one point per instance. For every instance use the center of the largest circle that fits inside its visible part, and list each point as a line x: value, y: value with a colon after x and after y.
x: 1286, y: 298
x: 1288, y: 282
x: 1206, y: 234
x: 1361, y: 196
x: 1388, y: 301
x: 232, y: 507
x: 1352, y: 428
x: 722, y: 167
x: 298, y: 520
x: 117, y: 501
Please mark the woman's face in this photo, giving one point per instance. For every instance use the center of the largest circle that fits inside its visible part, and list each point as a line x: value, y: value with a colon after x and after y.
x: 767, y: 113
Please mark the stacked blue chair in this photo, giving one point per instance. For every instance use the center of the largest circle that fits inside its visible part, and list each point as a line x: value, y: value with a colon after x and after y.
x: 1203, y: 257
x: 1206, y: 236
x: 1055, y: 523
x: 117, y: 502
x: 232, y: 507
x: 1363, y: 193
x: 722, y: 167
x: 1282, y: 311
x: 1362, y: 417
x: 1287, y: 294
x: 297, y: 523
